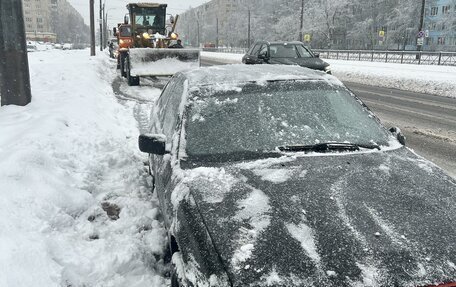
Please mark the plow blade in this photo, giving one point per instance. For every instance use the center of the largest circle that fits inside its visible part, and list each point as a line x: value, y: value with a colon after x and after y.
x: 162, y: 61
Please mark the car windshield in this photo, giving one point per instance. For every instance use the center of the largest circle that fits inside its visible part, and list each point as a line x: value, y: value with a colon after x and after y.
x: 289, y: 51
x: 260, y: 118
x: 125, y: 31
x: 154, y: 17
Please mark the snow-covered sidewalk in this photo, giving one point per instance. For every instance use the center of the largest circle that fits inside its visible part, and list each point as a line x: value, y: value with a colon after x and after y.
x: 436, y: 80
x: 75, y: 202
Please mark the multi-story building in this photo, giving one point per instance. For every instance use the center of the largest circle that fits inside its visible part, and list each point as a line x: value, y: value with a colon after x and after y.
x: 38, y: 20
x: 53, y: 21
x: 440, y: 25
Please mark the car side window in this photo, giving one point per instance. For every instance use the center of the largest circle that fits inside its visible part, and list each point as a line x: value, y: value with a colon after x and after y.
x: 264, y: 50
x: 255, y: 49
x: 162, y: 101
x: 171, y: 109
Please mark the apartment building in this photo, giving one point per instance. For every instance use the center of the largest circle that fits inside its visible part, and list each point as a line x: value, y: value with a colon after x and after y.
x: 53, y: 21
x: 440, y: 25
x: 37, y: 19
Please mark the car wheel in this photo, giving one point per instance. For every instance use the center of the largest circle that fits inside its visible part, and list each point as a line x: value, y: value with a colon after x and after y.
x: 174, y: 278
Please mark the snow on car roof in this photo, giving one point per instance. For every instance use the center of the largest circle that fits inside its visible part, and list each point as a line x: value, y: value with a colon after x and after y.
x: 239, y: 73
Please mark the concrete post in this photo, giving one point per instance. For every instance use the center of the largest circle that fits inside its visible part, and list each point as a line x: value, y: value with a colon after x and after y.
x: 92, y: 28
x: 14, y: 69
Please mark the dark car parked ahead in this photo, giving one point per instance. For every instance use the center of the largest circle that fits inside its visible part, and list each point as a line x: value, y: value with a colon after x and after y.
x: 280, y: 176
x: 285, y: 53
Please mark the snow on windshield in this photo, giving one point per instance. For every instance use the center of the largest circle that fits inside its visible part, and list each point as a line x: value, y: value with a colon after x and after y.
x: 261, y: 118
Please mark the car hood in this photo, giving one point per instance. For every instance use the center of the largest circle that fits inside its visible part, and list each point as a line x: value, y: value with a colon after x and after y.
x: 369, y: 219
x: 312, y: 63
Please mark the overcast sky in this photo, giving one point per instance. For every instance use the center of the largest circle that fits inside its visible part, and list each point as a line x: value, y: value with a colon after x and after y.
x: 116, y: 9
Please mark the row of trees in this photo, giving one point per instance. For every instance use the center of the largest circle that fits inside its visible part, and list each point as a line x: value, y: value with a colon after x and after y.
x: 343, y: 24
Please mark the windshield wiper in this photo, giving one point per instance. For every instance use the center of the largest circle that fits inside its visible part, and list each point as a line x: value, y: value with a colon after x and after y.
x: 330, y: 146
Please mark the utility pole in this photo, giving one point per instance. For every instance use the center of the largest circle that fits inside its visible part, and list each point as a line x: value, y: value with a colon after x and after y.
x: 248, y: 32
x: 423, y: 4
x: 92, y: 28
x: 217, y: 31
x: 198, y: 33
x: 302, y: 21
x: 14, y: 69
x: 101, y: 27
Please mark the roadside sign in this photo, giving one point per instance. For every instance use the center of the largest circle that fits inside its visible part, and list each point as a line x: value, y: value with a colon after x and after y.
x: 426, y: 34
x: 307, y: 38
x: 381, y: 33
x: 421, y: 34
x: 420, y: 41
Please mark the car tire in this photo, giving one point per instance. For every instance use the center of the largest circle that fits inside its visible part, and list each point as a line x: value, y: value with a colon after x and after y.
x: 174, y: 278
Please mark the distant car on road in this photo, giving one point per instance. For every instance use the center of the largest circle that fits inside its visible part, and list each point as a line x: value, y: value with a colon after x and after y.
x: 67, y: 46
x: 31, y: 47
x: 280, y: 176
x: 285, y: 53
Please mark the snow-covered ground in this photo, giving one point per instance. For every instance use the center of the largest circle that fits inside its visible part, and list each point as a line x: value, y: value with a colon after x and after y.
x: 436, y: 80
x: 75, y: 205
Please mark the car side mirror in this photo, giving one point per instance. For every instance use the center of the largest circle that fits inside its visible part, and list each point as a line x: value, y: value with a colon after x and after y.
x: 152, y: 143
x: 398, y: 134
x: 317, y: 55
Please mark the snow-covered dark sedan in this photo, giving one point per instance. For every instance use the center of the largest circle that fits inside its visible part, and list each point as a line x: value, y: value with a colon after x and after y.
x: 280, y: 176
x: 285, y: 53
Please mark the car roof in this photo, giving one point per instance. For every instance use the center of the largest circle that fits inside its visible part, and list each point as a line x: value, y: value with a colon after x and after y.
x: 280, y: 42
x: 240, y: 73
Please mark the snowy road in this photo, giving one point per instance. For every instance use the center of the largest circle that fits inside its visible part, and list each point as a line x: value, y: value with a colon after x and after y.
x: 428, y: 121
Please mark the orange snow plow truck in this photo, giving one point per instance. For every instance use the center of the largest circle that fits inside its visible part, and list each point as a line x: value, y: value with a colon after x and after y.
x: 146, y: 42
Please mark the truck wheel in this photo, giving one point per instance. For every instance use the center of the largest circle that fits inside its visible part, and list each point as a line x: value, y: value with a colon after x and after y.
x: 132, y: 81
x: 122, y: 65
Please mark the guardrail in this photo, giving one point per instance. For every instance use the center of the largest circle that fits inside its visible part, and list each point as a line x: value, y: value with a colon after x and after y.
x: 403, y: 57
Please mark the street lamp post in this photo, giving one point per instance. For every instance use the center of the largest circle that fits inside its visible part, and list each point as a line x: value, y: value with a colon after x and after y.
x: 302, y: 21
x: 217, y: 33
x: 101, y: 26
x: 423, y: 4
x: 248, y: 32
x: 92, y: 28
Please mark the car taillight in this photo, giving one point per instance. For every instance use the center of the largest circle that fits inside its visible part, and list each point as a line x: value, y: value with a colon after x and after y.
x: 444, y: 285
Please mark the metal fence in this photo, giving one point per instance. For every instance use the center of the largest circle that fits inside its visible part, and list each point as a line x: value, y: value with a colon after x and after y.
x: 403, y: 57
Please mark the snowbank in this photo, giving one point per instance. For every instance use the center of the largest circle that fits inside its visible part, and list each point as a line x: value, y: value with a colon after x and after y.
x: 436, y: 80
x: 75, y: 204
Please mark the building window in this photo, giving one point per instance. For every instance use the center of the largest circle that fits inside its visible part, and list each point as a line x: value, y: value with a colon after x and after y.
x: 434, y: 11
x: 446, y: 9
x: 28, y: 19
x: 39, y: 20
x: 441, y: 41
